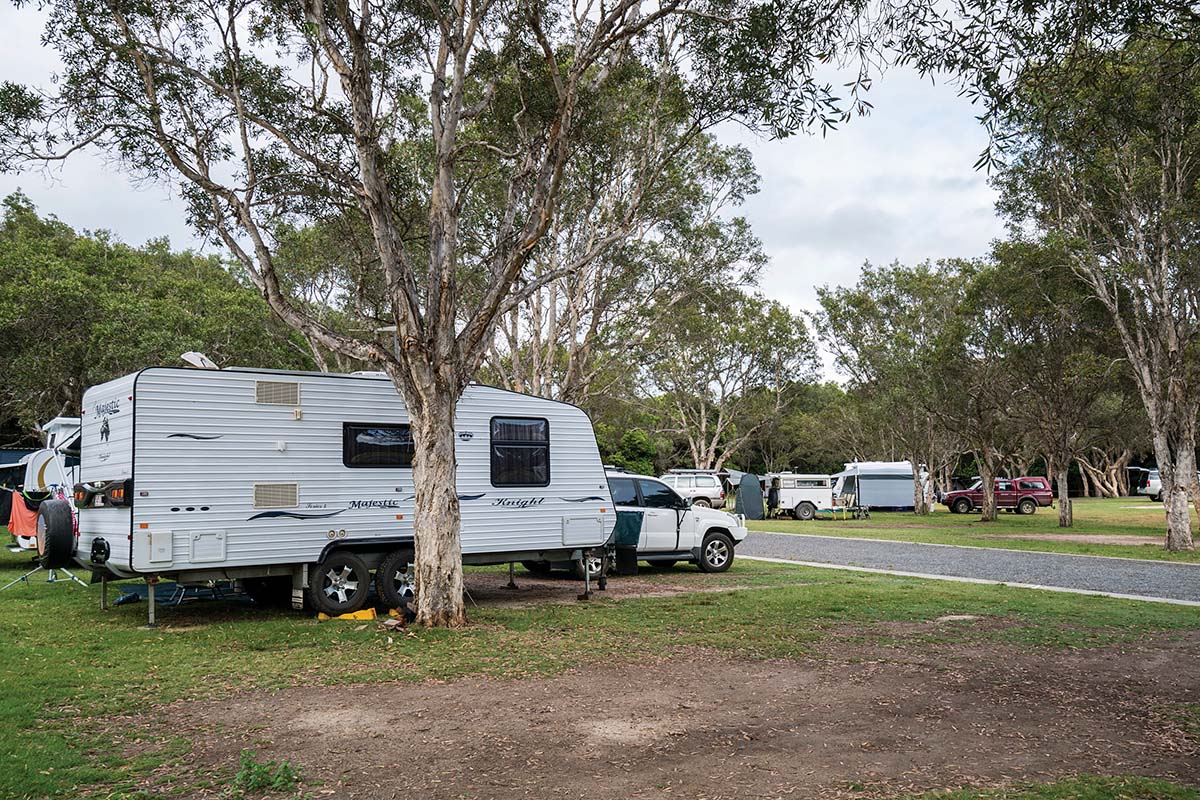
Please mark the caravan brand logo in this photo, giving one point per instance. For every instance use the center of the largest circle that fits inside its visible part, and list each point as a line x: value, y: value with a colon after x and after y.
x: 465, y: 436
x: 374, y: 504
x: 104, y: 430
x: 107, y: 409
x: 518, y: 502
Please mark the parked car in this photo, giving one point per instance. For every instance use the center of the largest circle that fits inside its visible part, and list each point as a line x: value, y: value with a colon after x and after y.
x: 702, y: 488
x: 1023, y: 495
x: 1152, y: 485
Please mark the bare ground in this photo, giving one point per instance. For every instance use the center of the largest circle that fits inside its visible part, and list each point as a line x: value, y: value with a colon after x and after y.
x: 859, y: 718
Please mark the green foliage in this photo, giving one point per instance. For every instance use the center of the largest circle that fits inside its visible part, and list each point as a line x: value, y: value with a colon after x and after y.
x: 722, y: 368
x: 79, y: 309
x: 255, y: 776
x: 636, y: 453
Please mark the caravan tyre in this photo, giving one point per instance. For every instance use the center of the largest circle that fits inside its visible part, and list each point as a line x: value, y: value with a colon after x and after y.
x: 394, y: 580
x: 805, y: 511
x: 539, y: 568
x: 55, y: 534
x: 339, y: 584
x: 716, y: 552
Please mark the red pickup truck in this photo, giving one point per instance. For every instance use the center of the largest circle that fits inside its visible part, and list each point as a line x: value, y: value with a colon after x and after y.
x: 1022, y: 494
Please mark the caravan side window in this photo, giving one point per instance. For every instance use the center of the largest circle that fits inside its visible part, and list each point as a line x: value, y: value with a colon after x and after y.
x: 520, y: 451
x: 376, y: 444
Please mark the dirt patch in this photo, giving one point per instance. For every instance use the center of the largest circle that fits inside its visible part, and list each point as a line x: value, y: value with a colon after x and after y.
x: 695, y: 724
x: 1078, y: 538
x: 491, y: 588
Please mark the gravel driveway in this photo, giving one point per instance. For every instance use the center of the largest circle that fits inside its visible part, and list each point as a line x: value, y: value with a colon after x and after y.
x: 1124, y: 576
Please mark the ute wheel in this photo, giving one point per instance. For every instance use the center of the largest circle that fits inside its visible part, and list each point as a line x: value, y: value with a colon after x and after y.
x: 539, y: 568
x: 961, y: 506
x: 1156, y: 498
x: 595, y: 564
x: 703, y: 502
x: 716, y: 553
x: 55, y: 533
x: 395, y: 582
x: 272, y: 591
x: 805, y: 511
x: 339, y: 584
x: 1027, y: 506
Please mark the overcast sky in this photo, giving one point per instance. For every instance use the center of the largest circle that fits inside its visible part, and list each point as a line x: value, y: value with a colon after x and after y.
x: 898, y: 184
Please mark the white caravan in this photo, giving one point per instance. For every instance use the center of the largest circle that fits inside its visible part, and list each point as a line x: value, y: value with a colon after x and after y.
x: 304, y: 480
x: 802, y: 494
x: 876, y: 485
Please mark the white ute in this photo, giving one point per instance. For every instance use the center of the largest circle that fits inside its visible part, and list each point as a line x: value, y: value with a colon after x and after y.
x: 672, y: 528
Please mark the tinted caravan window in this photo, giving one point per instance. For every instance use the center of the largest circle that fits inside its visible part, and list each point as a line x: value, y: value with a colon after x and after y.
x: 520, y: 451
x: 376, y: 444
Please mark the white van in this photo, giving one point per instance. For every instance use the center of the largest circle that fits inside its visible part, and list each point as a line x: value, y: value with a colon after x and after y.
x: 303, y: 480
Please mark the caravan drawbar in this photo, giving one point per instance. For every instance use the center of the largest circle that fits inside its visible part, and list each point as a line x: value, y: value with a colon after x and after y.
x: 305, y: 479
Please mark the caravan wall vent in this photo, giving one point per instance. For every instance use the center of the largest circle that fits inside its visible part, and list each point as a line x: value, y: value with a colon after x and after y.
x: 276, y: 495
x: 277, y: 393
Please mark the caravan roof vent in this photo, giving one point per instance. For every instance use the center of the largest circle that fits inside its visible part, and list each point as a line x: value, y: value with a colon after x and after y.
x: 276, y: 495
x: 277, y: 393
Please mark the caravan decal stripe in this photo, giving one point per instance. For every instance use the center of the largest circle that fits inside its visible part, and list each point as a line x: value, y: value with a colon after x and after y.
x: 582, y: 499
x: 200, y: 437
x: 471, y: 496
x: 293, y: 515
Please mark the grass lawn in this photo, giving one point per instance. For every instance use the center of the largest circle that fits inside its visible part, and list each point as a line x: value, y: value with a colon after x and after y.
x: 1082, y: 788
x: 1095, y: 518
x: 69, y: 673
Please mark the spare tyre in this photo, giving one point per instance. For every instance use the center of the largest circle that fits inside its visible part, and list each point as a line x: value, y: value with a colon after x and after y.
x: 55, y: 534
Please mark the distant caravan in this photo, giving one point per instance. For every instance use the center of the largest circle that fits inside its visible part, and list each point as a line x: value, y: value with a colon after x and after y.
x: 878, y: 485
x: 302, y: 482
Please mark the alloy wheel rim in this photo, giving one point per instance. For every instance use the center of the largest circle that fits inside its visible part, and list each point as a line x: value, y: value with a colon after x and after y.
x: 340, y: 585
x: 717, y: 553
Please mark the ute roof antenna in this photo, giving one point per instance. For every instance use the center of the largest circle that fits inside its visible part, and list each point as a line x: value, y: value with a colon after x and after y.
x: 198, y: 360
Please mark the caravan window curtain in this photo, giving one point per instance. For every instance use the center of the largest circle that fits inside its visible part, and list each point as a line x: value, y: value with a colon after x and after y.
x: 520, y: 451
x: 376, y: 444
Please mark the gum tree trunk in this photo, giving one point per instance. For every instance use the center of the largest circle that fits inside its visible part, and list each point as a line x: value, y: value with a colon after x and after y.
x: 987, y: 474
x: 1066, y: 516
x: 1177, y: 470
x: 920, y: 503
x: 439, y: 576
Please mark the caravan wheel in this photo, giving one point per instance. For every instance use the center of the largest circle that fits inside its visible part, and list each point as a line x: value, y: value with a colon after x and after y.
x: 339, y: 584
x: 394, y: 580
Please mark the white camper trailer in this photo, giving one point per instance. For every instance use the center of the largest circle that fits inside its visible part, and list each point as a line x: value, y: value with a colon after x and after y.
x: 802, y: 494
x: 876, y: 485
x: 269, y: 477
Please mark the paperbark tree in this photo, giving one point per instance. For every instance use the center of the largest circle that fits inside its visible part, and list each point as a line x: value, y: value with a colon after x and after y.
x: 721, y: 372
x: 636, y: 251
x: 1111, y: 165
x: 883, y: 334
x: 443, y: 129
x: 1066, y: 376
